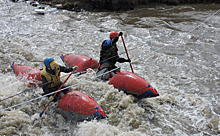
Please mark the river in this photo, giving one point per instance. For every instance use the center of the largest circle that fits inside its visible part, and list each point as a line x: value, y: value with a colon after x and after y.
x: 175, y: 48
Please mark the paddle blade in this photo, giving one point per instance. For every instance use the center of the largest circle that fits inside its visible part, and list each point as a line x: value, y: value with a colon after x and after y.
x: 41, y: 113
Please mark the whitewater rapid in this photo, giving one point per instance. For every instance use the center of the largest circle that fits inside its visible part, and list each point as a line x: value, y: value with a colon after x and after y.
x: 183, y: 65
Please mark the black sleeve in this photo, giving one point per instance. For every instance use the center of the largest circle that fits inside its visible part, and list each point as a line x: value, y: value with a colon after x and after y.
x: 122, y: 60
x: 66, y: 69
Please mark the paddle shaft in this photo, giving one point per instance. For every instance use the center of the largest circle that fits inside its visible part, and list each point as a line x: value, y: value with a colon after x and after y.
x: 56, y: 93
x: 127, y: 53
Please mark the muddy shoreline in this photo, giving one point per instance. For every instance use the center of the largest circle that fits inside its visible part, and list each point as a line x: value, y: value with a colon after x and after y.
x: 116, y: 5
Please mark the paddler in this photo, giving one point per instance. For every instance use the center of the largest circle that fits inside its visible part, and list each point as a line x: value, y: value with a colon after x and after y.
x: 50, y: 77
x: 109, y: 56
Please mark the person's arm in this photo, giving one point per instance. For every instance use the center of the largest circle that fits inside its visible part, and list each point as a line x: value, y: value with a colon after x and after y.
x: 122, y: 60
x: 114, y: 40
x: 66, y: 69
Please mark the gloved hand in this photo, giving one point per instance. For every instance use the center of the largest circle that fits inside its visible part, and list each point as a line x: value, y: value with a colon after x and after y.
x: 121, y: 60
x: 75, y: 67
x: 120, y: 34
x: 51, y: 98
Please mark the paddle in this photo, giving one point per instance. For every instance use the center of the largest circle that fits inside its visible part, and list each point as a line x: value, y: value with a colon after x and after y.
x: 57, y: 92
x: 127, y: 53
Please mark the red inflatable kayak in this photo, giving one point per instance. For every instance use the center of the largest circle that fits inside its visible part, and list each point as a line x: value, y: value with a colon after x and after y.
x: 28, y: 74
x: 83, y: 62
x: 133, y: 84
x: 76, y: 102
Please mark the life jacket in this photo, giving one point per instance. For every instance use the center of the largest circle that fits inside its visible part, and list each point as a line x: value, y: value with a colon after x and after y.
x: 54, y: 80
x: 110, y: 54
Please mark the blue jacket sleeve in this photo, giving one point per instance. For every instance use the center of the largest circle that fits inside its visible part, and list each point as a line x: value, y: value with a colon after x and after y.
x: 106, y: 45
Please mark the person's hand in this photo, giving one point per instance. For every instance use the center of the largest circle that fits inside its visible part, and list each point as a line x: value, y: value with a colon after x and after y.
x: 75, y: 67
x: 120, y: 34
x: 51, y: 98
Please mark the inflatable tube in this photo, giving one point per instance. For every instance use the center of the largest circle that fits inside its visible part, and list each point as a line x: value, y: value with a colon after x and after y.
x: 76, y: 102
x: 83, y: 62
x: 28, y: 74
x: 133, y: 84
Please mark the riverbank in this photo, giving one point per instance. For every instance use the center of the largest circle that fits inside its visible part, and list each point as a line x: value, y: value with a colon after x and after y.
x: 116, y: 5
